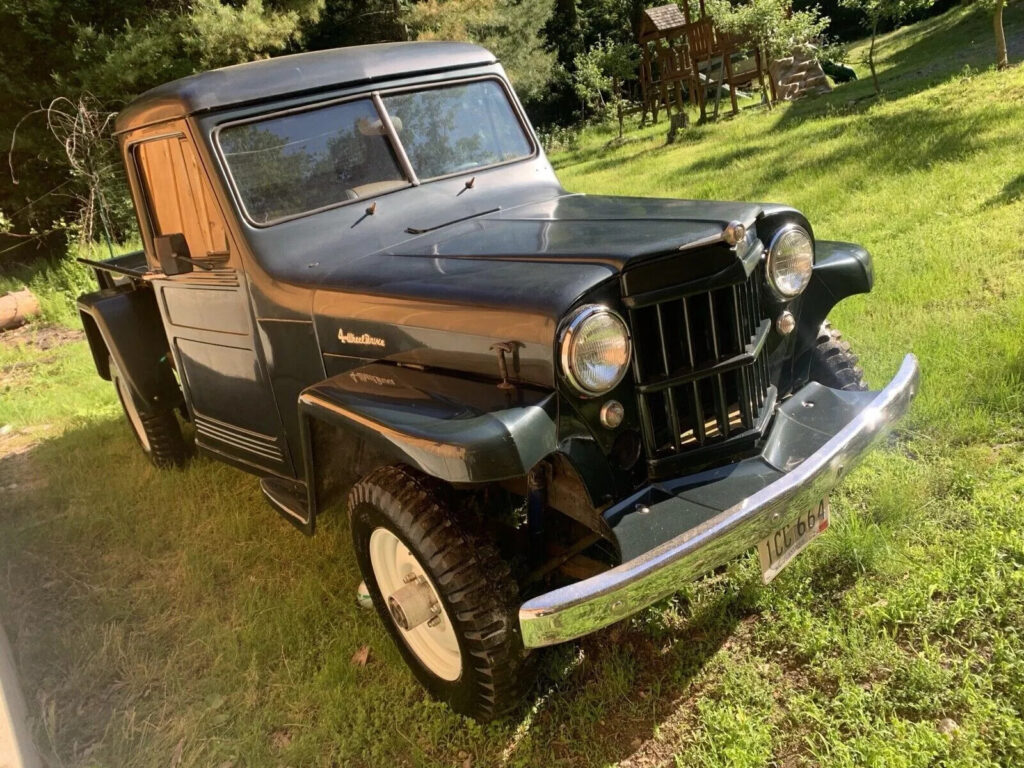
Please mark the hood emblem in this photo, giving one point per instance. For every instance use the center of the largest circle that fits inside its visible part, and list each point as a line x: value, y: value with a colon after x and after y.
x: 363, y: 339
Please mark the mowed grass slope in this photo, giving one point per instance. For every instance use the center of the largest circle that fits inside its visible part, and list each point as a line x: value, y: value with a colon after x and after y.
x: 173, y: 619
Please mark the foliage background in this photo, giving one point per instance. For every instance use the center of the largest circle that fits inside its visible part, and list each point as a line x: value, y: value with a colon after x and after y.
x: 106, y: 52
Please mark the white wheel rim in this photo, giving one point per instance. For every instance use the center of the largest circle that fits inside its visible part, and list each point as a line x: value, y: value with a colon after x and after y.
x: 129, y: 408
x: 436, y: 647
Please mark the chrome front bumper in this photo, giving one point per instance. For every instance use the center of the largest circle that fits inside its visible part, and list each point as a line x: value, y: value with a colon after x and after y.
x: 578, y: 609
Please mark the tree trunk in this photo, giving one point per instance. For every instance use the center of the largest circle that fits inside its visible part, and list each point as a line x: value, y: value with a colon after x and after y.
x: 566, y: 20
x: 618, y: 102
x: 16, y: 308
x: 997, y: 22
x: 871, y: 56
x: 675, y: 122
x: 401, y: 31
x: 766, y: 95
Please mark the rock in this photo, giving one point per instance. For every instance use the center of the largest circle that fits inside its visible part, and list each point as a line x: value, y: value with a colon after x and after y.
x: 797, y: 75
x: 947, y: 726
x: 360, y: 657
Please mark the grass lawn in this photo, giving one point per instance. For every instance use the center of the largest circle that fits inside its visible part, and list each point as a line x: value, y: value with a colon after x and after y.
x: 173, y: 619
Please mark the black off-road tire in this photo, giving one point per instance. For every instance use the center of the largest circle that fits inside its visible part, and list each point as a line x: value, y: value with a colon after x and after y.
x: 833, y: 362
x: 473, y: 582
x: 158, y: 434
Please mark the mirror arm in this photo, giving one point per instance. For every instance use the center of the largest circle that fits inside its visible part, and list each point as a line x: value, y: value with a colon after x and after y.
x: 193, y: 262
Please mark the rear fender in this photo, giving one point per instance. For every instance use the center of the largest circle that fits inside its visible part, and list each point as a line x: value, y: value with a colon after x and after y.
x: 124, y: 323
x: 459, y: 430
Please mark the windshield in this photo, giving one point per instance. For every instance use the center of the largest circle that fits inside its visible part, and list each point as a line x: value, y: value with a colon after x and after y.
x: 447, y: 130
x: 297, y: 163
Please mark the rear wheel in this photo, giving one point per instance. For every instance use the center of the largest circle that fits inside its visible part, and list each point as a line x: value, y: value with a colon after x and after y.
x: 158, y: 434
x: 445, y: 595
x: 833, y: 362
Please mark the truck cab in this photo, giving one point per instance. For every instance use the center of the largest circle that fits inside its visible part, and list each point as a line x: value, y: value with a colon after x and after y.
x: 363, y: 283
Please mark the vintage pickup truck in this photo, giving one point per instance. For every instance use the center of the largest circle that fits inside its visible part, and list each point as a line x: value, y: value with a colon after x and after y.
x: 543, y: 411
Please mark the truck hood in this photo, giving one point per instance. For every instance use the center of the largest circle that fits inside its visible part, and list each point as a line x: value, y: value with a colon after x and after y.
x: 447, y: 294
x: 580, y: 229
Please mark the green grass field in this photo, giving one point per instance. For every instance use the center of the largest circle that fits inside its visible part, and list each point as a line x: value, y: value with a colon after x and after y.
x: 173, y: 619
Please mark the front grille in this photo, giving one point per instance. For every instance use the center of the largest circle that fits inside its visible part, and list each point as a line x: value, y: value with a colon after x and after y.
x: 702, y: 380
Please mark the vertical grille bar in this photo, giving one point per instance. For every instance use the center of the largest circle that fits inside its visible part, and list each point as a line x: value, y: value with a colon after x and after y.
x: 698, y: 409
x: 762, y: 381
x: 670, y: 396
x: 721, y: 410
x: 648, y: 426
x: 751, y: 310
x: 639, y: 371
x: 762, y: 364
x: 739, y: 316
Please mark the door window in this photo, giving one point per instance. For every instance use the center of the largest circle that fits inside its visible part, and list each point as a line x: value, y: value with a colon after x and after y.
x: 178, y: 196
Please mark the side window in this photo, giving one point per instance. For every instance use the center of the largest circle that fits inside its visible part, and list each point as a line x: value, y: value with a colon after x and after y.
x: 178, y: 196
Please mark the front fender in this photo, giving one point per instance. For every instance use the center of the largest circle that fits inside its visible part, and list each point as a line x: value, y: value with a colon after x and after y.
x: 840, y: 270
x: 455, y: 429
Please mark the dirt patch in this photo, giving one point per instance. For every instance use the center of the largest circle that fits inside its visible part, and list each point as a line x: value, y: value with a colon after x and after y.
x: 16, y: 476
x: 40, y: 336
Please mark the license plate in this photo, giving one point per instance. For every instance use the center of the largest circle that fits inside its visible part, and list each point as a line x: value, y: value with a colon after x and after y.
x: 777, y: 550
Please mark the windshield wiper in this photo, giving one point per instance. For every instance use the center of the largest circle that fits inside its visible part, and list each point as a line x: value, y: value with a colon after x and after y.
x: 424, y: 230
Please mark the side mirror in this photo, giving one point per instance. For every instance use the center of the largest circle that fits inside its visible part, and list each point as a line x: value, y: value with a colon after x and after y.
x: 173, y: 254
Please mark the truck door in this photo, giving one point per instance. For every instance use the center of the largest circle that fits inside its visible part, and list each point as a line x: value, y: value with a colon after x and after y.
x: 206, y: 312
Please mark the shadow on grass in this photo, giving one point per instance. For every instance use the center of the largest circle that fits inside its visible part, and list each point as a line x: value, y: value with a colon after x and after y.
x: 889, y: 143
x: 1011, y: 193
x: 941, y: 48
x: 633, y: 682
x: 138, y: 593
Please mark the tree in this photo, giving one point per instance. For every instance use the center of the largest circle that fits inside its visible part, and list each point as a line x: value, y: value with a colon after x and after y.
x: 104, y: 54
x: 356, y: 22
x: 602, y: 69
x: 511, y: 29
x: 876, y: 11
x: 770, y: 25
x: 996, y: 6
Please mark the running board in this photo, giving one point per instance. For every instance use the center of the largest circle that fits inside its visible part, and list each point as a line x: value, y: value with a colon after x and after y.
x: 288, y: 497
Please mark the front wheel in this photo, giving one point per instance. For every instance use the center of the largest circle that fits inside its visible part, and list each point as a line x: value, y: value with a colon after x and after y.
x: 445, y: 595
x: 158, y: 434
x: 833, y: 362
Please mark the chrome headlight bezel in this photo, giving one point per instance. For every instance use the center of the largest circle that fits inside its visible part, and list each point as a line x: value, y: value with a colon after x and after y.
x: 773, y: 246
x: 570, y: 337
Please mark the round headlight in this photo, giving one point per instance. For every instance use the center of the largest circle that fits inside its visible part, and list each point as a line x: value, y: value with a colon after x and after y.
x: 790, y: 261
x: 595, y: 350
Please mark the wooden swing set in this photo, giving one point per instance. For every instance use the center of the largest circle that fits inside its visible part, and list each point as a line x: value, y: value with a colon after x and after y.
x: 677, y: 54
